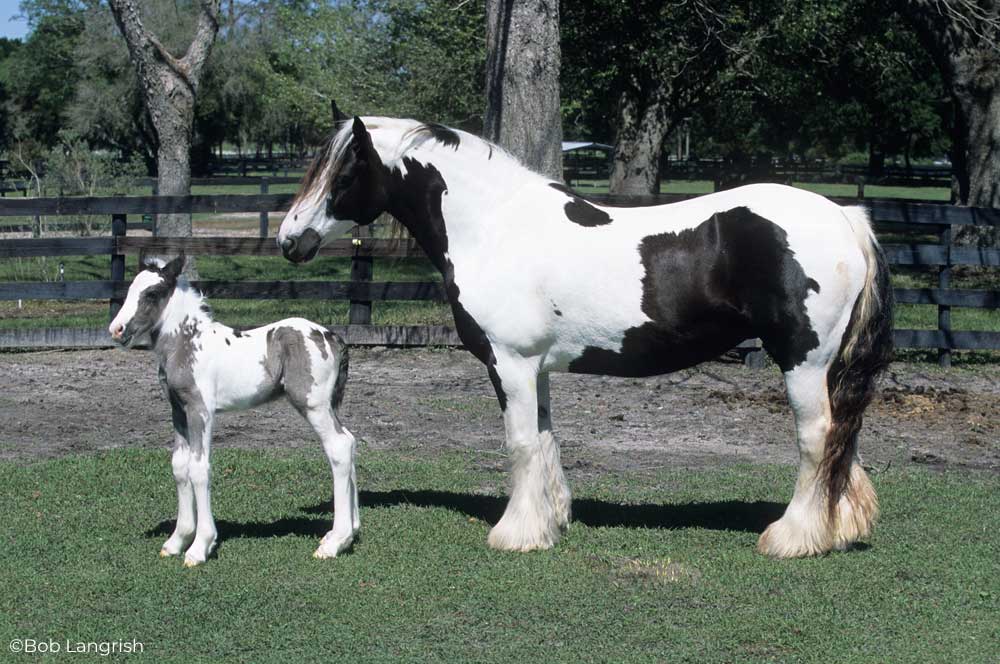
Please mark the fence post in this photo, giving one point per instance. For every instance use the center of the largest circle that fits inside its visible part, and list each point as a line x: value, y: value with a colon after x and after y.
x: 861, y: 186
x: 360, y: 312
x: 263, y: 215
x: 118, y: 229
x: 944, y: 310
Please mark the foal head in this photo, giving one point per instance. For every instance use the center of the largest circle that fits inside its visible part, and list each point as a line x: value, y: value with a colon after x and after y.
x: 146, y: 301
x: 345, y: 185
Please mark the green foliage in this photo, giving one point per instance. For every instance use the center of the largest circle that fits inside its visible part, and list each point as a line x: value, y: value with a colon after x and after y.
x: 40, y: 78
x: 831, y: 77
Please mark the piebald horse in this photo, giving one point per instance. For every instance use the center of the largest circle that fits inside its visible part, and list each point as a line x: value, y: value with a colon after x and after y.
x: 206, y: 367
x: 541, y: 280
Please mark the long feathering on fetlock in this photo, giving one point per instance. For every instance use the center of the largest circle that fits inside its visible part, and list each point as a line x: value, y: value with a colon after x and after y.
x: 865, y: 353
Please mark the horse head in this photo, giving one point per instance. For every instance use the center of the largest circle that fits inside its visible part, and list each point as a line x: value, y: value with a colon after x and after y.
x: 147, y: 298
x: 346, y: 185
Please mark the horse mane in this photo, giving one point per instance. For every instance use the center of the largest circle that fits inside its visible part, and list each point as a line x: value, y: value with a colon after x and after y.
x: 412, y: 135
x: 407, y: 136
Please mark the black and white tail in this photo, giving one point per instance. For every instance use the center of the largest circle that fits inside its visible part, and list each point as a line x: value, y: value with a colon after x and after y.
x: 865, y: 352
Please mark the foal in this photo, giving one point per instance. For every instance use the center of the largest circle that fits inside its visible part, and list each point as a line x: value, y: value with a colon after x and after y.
x: 207, y: 367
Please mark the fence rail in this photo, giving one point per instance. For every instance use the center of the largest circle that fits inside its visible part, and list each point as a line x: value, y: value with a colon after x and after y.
x: 897, y: 216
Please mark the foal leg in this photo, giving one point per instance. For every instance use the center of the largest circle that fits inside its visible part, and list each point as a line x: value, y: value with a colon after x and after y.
x: 200, y: 437
x: 339, y: 444
x: 558, y: 486
x: 805, y: 529
x: 530, y: 520
x: 184, y: 530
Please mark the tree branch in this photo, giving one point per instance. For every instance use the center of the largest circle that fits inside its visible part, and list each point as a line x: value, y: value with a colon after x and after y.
x: 148, y: 52
x: 197, y: 54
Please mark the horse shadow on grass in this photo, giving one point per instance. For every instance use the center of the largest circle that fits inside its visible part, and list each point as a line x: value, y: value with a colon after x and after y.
x: 732, y: 515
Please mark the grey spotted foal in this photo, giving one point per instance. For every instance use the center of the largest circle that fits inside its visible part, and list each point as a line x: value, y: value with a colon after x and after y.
x: 207, y: 367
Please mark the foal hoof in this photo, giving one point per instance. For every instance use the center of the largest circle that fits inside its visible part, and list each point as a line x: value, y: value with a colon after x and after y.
x: 166, y: 554
x: 191, y: 562
x: 330, y: 546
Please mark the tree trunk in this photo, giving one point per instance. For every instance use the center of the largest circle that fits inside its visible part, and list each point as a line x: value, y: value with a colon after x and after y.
x: 173, y: 162
x: 981, y: 113
x: 979, y: 183
x: 169, y: 88
x: 964, y: 45
x: 522, y: 82
x: 635, y: 168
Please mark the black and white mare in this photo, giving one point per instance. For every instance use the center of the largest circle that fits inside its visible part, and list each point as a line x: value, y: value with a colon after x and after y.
x: 542, y: 280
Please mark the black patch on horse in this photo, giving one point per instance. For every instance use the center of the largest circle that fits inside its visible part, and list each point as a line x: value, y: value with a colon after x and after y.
x: 418, y: 201
x: 444, y: 135
x: 580, y: 211
x: 706, y: 289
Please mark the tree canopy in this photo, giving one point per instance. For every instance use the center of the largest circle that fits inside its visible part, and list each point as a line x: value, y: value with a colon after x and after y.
x: 800, y: 79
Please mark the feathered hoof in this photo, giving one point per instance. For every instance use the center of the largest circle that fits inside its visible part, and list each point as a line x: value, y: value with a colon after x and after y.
x: 787, y: 539
x: 857, y: 510
x: 517, y: 535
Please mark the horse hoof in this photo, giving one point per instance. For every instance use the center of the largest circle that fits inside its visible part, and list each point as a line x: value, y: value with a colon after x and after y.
x: 191, y: 562
x: 786, y: 539
x: 165, y: 554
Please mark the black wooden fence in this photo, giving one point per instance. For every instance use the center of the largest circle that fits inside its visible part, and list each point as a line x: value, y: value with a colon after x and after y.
x: 894, y: 216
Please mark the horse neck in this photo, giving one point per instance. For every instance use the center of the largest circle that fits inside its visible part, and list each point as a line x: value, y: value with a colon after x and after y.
x: 478, y: 179
x: 185, y: 317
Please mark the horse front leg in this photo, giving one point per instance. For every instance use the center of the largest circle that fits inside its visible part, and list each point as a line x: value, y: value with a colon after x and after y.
x: 183, y: 533
x: 531, y: 520
x: 200, y: 422
x: 558, y: 486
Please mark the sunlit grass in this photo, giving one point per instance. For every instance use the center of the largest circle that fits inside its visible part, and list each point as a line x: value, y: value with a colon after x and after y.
x: 656, y: 567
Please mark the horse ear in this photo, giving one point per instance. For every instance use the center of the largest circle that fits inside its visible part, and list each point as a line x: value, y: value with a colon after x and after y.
x: 174, y: 268
x: 338, y: 116
x: 362, y: 139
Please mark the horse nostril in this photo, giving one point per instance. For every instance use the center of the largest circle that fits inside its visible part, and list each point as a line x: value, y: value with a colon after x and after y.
x: 288, y: 244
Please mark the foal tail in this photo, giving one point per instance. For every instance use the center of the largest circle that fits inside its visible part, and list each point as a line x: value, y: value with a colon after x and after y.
x: 865, y: 352
x: 340, y: 348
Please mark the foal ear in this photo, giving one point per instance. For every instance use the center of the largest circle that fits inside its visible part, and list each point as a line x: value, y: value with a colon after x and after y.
x: 174, y: 268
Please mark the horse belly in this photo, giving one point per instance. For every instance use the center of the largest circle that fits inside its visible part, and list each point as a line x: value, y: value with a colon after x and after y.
x: 241, y: 380
x: 657, y: 348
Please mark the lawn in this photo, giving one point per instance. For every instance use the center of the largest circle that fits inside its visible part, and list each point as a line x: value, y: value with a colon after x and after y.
x: 657, y: 567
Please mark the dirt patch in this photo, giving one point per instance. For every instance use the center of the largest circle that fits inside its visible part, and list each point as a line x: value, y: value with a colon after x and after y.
x: 57, y: 403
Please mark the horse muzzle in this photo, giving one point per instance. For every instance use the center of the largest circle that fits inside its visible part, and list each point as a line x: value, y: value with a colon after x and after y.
x: 303, y: 248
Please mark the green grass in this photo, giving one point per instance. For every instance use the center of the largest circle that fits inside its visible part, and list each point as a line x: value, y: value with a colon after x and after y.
x: 680, y: 582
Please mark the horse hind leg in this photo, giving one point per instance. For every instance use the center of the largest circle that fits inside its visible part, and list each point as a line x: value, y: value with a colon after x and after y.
x: 339, y: 445
x: 834, y: 503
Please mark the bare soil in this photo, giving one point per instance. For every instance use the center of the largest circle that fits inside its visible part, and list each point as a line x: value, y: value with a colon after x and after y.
x: 430, y: 400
